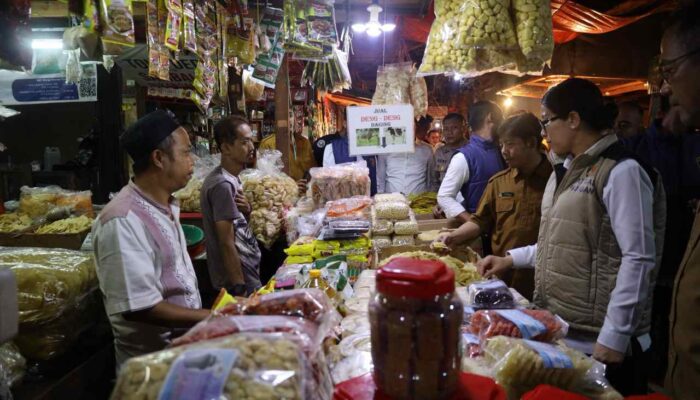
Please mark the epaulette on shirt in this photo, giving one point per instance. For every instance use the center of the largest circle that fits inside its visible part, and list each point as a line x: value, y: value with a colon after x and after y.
x: 500, y: 173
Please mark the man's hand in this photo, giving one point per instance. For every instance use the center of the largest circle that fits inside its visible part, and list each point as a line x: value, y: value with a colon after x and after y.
x: 301, y: 184
x: 242, y: 204
x: 446, y: 238
x: 438, y: 213
x: 492, y: 265
x: 607, y: 355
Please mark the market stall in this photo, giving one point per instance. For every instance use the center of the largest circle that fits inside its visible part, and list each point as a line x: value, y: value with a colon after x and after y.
x: 365, y: 295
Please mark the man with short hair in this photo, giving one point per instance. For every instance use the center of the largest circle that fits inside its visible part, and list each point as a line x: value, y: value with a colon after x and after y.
x: 233, y: 255
x: 455, y: 134
x: 680, y: 67
x: 471, y: 168
x: 435, y: 138
x: 146, y: 276
x: 629, y: 121
x: 510, y: 208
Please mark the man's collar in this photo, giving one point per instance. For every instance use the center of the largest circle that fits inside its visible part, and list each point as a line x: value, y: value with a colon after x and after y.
x: 148, y: 199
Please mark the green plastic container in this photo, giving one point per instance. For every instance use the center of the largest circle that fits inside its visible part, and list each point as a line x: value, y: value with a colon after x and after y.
x: 193, y: 234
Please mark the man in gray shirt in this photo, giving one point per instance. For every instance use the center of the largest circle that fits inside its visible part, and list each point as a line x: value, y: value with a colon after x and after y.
x: 233, y: 256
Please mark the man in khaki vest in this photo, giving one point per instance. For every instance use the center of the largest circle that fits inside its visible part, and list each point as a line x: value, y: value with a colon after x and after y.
x: 603, y: 217
x: 680, y: 67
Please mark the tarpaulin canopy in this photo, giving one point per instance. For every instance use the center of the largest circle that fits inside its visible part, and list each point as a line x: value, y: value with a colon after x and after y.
x: 569, y: 19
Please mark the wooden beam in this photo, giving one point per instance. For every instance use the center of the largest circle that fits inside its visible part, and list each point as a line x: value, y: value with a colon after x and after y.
x: 282, y: 113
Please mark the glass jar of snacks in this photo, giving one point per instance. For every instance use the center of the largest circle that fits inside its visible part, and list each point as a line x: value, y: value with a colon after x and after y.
x: 415, y: 317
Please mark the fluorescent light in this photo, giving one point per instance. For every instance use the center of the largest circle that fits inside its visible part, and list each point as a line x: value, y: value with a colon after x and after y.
x: 388, y: 27
x: 47, y: 43
x: 359, y: 28
x: 374, y: 31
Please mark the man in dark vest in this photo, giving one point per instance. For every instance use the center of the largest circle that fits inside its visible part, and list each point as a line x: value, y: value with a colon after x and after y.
x: 471, y: 168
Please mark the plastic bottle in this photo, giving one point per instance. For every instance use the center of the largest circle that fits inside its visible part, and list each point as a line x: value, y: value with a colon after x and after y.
x: 317, y: 282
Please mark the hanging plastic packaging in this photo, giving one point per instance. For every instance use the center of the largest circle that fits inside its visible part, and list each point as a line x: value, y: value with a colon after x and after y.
x: 118, y: 26
x: 470, y: 38
x: 241, y: 366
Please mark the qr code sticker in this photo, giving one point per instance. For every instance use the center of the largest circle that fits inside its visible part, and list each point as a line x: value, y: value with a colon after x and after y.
x: 88, y: 87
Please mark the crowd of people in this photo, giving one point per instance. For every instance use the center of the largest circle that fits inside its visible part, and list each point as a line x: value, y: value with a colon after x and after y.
x: 593, y: 224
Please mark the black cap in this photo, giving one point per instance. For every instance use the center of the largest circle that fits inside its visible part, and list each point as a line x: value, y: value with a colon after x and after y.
x: 145, y: 134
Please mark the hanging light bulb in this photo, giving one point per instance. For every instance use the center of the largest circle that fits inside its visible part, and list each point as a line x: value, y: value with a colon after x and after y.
x: 373, y: 28
x: 374, y: 31
x: 359, y: 28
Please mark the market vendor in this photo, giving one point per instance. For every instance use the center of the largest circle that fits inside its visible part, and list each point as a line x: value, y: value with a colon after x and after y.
x: 600, y: 238
x: 456, y: 135
x: 233, y: 255
x: 146, y: 276
x: 510, y: 207
x: 301, y: 157
x: 474, y: 164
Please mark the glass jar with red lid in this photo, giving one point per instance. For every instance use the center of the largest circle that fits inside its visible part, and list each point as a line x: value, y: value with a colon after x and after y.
x: 415, y: 317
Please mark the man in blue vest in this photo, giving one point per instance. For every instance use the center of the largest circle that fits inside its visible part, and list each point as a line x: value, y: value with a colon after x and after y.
x: 471, y: 168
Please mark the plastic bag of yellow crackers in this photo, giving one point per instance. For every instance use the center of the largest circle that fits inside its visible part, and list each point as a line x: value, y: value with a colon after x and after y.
x: 241, y: 366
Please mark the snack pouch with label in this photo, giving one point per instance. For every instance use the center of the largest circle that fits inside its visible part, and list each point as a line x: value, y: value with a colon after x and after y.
x: 240, y: 366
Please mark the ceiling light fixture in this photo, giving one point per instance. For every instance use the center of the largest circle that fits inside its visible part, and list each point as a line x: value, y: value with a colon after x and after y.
x: 373, y: 27
x: 47, y: 44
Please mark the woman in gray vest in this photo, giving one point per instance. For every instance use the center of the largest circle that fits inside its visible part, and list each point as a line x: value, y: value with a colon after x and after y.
x: 602, y: 222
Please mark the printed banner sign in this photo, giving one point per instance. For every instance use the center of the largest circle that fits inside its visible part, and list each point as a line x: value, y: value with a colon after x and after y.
x: 18, y: 88
x: 380, y: 129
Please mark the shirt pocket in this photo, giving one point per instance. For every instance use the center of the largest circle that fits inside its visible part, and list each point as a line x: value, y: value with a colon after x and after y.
x: 504, y: 204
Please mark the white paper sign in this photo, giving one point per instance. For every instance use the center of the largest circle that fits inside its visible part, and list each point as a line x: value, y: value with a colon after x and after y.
x: 380, y: 129
x: 18, y: 88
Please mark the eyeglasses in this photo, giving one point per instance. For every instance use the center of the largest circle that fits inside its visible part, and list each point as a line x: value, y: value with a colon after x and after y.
x: 667, y: 68
x: 546, y: 122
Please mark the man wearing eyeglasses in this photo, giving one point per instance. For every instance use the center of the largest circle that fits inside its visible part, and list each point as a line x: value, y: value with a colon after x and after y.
x: 680, y: 68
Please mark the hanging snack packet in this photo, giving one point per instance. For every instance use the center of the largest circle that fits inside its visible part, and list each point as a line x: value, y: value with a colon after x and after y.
x: 173, y: 25
x: 152, y: 38
x: 267, y: 66
x: 207, y: 32
x: 321, y: 23
x: 91, y: 20
x: 189, y: 34
x: 271, y: 28
x: 118, y: 26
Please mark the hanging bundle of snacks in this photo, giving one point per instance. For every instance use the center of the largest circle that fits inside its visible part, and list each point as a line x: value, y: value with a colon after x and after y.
x: 118, y: 26
x: 470, y: 37
x: 189, y: 34
x: 269, y: 192
x: 419, y: 94
x: 533, y: 23
x: 393, y: 84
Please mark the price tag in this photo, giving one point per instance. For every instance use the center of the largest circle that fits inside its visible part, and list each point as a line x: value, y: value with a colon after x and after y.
x: 551, y: 355
x: 198, y: 374
x: 528, y: 326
